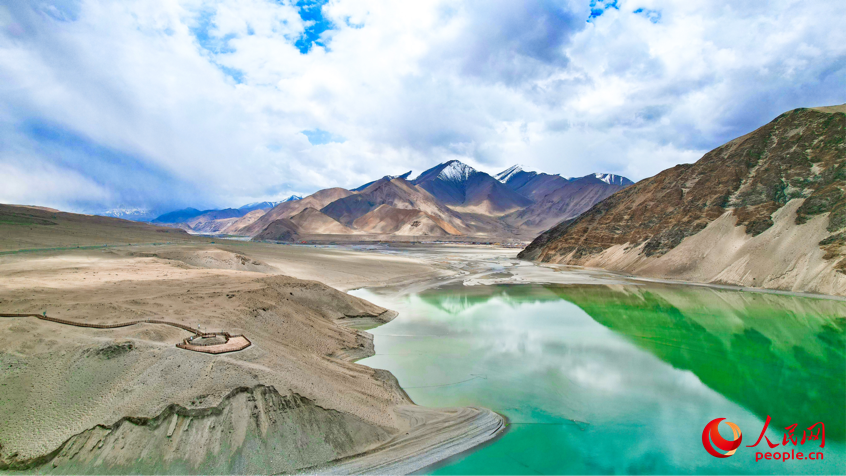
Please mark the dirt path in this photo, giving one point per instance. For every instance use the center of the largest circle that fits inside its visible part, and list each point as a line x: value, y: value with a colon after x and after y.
x: 44, y: 317
x: 232, y: 344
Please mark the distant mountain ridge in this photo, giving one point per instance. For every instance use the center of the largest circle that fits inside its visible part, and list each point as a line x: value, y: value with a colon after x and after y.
x: 316, y: 200
x: 178, y: 216
x: 510, y: 172
x: 188, y: 214
x: 466, y: 189
x: 388, y: 177
x: 612, y: 179
x: 451, y: 198
x: 530, y: 184
x: 399, y: 194
x: 558, y: 203
x: 267, y: 205
x: 129, y: 213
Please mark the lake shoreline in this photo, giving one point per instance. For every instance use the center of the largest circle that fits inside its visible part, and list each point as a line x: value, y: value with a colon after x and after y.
x: 681, y: 349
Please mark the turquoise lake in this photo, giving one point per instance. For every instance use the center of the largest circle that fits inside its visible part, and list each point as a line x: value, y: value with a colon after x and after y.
x: 599, y: 379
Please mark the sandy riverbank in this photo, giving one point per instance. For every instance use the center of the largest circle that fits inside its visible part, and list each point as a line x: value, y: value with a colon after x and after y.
x: 489, y: 265
x: 92, y: 401
x: 79, y: 400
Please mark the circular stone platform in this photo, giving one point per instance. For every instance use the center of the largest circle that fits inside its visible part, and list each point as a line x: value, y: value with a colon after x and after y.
x: 216, y: 343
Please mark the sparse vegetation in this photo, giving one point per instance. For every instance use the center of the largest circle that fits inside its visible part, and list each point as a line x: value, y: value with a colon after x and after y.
x: 754, y: 176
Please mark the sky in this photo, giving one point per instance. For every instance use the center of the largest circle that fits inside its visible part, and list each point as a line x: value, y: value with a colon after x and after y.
x: 163, y: 104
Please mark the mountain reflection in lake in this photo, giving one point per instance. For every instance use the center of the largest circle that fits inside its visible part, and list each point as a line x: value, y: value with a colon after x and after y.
x: 623, y: 378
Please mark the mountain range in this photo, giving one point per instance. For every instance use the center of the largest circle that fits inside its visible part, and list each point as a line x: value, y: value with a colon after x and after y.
x: 128, y: 213
x: 450, y: 199
x: 215, y: 220
x: 466, y: 189
x: 767, y: 209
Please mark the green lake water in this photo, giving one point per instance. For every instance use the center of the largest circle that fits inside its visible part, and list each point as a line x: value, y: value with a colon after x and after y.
x: 622, y: 378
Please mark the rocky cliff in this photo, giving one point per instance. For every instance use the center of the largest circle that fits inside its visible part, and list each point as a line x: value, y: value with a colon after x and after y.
x: 766, y: 209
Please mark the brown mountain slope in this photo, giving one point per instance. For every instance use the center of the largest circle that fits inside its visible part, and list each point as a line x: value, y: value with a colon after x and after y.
x: 308, y: 221
x: 397, y: 193
x: 423, y: 225
x: 536, y: 186
x: 215, y: 221
x: 211, y: 226
x: 766, y: 209
x: 569, y: 200
x: 235, y: 227
x: 348, y: 209
x: 282, y: 229
x: 315, y: 222
x: 387, y: 219
x: 217, y: 215
x: 316, y: 200
x: 488, y: 196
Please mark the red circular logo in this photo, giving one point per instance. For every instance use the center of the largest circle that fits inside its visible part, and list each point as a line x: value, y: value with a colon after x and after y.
x: 729, y: 446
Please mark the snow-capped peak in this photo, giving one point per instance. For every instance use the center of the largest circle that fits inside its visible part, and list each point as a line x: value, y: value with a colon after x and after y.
x: 402, y: 176
x: 128, y: 213
x: 268, y: 205
x: 259, y: 205
x: 456, y: 171
x: 506, y: 174
x: 610, y: 179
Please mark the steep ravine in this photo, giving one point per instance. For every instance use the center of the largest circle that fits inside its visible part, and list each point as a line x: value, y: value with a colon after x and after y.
x: 252, y: 430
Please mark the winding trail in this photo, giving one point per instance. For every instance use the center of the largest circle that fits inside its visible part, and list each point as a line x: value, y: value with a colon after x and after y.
x: 44, y: 317
x: 232, y: 344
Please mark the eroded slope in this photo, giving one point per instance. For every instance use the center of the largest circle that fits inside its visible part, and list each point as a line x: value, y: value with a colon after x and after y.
x: 79, y: 400
x: 737, y: 192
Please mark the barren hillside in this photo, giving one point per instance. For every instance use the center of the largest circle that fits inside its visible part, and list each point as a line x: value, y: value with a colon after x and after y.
x: 767, y: 209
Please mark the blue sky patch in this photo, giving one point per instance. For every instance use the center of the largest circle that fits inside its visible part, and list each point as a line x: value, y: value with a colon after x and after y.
x: 311, y: 11
x: 318, y: 137
x: 215, y: 45
x: 350, y: 24
x: 652, y: 15
x: 132, y: 179
x: 59, y: 10
x: 210, y: 43
x: 598, y: 7
x: 236, y: 74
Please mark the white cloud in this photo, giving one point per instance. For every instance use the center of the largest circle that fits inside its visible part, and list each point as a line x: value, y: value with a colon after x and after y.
x: 43, y: 184
x: 209, y: 98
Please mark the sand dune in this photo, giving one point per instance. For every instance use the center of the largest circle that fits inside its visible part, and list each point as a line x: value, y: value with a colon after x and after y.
x: 211, y: 258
